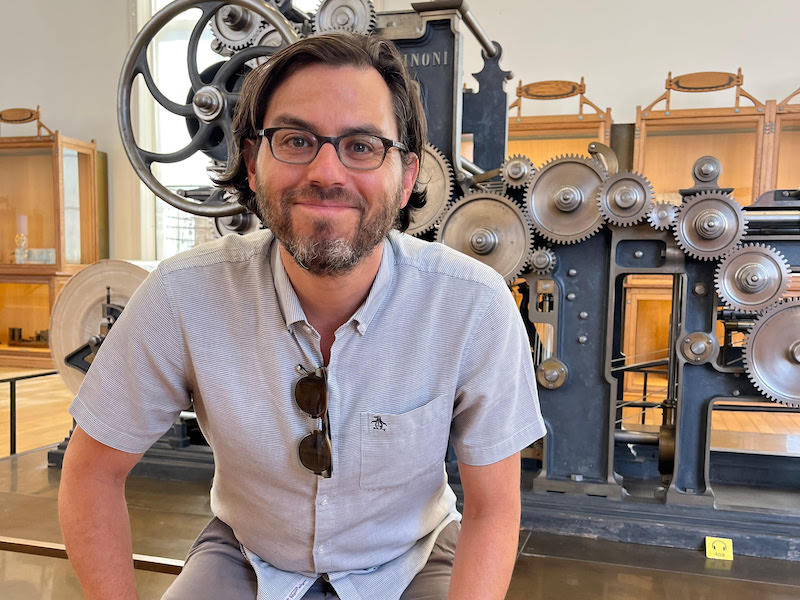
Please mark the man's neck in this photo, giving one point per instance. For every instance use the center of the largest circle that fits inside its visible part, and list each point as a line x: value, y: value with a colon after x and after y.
x: 329, y: 301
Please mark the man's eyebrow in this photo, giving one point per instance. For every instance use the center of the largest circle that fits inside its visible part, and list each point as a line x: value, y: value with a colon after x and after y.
x: 290, y: 121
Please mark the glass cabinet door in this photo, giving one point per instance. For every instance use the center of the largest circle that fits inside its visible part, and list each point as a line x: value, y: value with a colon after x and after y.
x: 76, y: 167
x: 789, y: 153
x: 671, y: 150
x: 27, y: 206
x: 24, y: 316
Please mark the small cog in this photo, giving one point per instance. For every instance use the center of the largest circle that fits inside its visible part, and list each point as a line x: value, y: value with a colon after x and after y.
x: 709, y: 225
x: 752, y: 277
x: 436, y: 173
x: 490, y: 228
x: 625, y: 198
x: 357, y: 16
x: 561, y: 199
x: 772, y: 352
x: 235, y: 28
x: 517, y: 171
x: 542, y: 261
x: 662, y: 215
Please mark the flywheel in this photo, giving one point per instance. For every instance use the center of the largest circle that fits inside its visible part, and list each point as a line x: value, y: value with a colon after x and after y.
x: 78, y: 310
x: 490, y: 228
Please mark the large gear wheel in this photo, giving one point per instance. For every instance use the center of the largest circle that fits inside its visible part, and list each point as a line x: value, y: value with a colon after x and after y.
x: 710, y: 225
x: 625, y: 198
x: 491, y: 228
x: 235, y: 28
x: 357, y: 16
x: 561, y: 199
x: 662, y: 215
x: 436, y: 174
x: 543, y: 261
x: 772, y: 352
x: 752, y: 277
x: 517, y: 171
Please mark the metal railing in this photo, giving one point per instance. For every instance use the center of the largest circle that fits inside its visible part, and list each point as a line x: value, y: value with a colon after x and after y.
x: 12, y: 382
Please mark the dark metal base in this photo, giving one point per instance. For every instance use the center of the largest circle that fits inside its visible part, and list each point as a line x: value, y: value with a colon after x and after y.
x: 763, y: 533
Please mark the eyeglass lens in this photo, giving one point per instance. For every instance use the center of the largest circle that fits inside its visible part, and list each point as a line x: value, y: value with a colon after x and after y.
x: 359, y: 151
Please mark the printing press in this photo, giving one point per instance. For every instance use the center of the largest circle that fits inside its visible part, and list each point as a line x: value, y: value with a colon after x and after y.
x: 565, y: 235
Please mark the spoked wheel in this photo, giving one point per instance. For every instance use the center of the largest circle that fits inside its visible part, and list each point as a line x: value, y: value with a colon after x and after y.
x: 210, y: 102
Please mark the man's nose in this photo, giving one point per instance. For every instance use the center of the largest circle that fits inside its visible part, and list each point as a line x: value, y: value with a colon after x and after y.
x: 326, y: 169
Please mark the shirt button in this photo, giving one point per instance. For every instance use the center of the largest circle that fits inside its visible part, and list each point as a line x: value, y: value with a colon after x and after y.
x: 324, y: 500
x: 321, y: 549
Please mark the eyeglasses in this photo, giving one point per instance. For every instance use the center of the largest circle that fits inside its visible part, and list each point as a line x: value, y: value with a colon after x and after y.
x: 362, y: 151
x: 311, y: 395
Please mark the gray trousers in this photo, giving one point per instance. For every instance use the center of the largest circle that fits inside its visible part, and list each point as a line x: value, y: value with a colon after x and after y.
x: 215, y: 568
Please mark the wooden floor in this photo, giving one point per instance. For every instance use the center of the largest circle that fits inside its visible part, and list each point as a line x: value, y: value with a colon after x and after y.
x: 42, y: 419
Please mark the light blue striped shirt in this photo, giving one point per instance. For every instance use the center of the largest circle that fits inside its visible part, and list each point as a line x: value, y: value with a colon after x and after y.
x: 437, y: 350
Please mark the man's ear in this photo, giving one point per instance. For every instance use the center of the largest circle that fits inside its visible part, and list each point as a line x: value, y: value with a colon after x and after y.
x: 410, y: 174
x: 250, y: 155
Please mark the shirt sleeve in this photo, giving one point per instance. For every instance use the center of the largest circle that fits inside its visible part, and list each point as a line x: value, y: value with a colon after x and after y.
x: 137, y: 384
x: 496, y: 411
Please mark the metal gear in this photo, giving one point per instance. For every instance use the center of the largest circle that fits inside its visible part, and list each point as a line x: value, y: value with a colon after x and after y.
x: 560, y: 199
x: 235, y: 28
x: 709, y: 225
x: 490, y: 228
x: 752, y: 277
x: 436, y: 173
x: 543, y: 261
x: 625, y: 198
x: 517, y: 171
x: 662, y: 215
x: 270, y: 38
x: 357, y: 16
x: 772, y: 352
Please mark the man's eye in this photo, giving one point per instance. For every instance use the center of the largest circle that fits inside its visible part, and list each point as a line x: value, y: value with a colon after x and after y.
x: 364, y: 145
x: 297, y: 142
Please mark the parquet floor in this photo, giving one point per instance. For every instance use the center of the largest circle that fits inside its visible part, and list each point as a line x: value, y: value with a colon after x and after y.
x: 42, y: 419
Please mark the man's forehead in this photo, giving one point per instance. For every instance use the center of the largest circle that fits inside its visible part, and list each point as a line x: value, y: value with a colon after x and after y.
x: 354, y: 97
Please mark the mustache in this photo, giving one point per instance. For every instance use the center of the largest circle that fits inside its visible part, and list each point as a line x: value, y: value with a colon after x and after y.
x: 331, y: 195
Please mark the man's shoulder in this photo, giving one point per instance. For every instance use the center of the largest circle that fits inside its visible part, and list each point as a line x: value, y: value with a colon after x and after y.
x: 442, y: 261
x: 225, y: 251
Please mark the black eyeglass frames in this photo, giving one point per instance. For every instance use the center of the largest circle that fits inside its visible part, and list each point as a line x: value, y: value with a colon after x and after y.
x: 362, y: 151
x: 311, y: 395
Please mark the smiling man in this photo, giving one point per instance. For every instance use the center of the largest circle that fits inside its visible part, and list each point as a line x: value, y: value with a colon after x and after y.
x: 329, y: 359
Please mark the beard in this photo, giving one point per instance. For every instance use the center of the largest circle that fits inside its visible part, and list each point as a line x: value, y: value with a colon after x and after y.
x: 324, y: 252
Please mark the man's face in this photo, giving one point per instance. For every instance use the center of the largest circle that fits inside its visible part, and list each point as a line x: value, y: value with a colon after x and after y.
x: 327, y: 215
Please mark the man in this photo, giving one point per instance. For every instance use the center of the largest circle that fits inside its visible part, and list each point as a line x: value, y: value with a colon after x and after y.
x: 328, y: 359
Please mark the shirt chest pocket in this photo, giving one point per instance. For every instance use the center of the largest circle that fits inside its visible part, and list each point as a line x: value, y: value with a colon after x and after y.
x: 397, y: 448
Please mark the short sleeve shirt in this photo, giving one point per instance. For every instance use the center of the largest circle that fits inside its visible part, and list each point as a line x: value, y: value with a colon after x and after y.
x: 436, y: 352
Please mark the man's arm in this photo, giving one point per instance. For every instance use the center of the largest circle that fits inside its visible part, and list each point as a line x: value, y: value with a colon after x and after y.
x: 487, y: 545
x: 94, y: 517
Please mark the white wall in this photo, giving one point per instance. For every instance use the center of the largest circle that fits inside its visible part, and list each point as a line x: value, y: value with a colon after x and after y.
x: 65, y: 55
x: 624, y: 48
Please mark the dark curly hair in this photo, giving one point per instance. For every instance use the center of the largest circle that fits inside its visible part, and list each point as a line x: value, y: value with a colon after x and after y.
x: 335, y: 49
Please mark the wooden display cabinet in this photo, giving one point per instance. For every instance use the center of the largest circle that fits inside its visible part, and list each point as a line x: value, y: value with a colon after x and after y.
x: 542, y: 138
x: 782, y: 144
x: 48, y: 231
x: 668, y: 142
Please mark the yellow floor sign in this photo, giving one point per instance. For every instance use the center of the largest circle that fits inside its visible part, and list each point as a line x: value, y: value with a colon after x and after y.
x: 719, y: 548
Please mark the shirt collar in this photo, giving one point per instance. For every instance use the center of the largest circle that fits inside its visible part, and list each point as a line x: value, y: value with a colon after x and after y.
x: 287, y: 299
x: 290, y: 303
